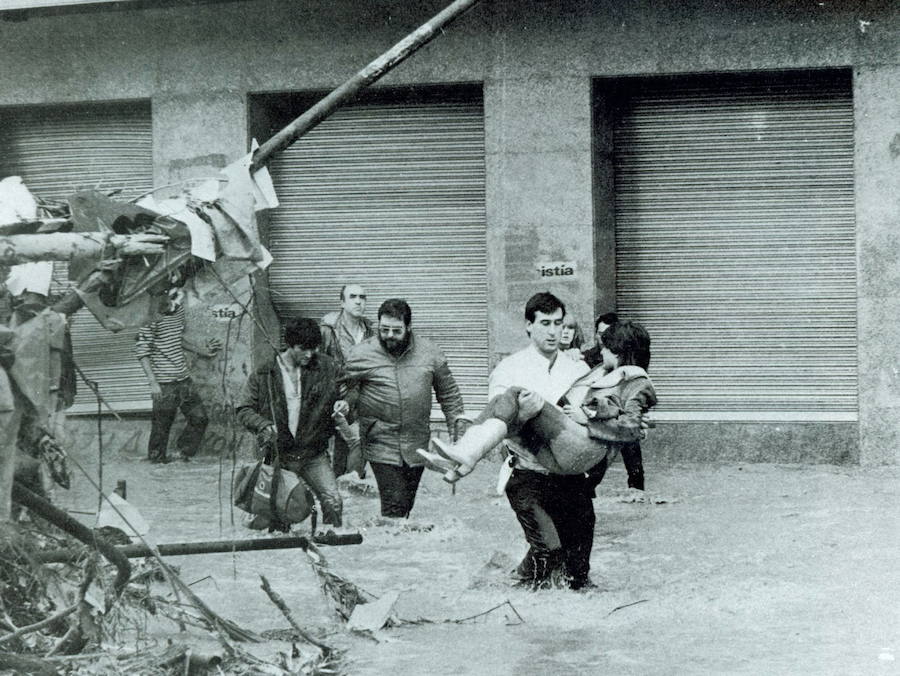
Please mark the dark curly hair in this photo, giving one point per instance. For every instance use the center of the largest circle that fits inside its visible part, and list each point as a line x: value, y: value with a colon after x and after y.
x: 304, y: 332
x: 629, y: 341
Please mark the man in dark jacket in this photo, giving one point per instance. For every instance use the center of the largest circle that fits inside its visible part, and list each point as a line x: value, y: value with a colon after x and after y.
x: 348, y: 326
x: 391, y: 377
x: 342, y: 330
x: 288, y: 403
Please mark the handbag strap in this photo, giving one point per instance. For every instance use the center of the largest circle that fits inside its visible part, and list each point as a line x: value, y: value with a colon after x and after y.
x: 276, y: 464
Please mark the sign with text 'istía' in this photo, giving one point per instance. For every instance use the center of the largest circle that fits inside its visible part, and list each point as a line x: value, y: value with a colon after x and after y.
x: 226, y: 312
x: 557, y: 269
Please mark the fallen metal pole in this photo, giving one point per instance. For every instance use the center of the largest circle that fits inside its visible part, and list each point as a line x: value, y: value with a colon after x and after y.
x: 374, y: 71
x: 213, y: 547
x: 65, y: 246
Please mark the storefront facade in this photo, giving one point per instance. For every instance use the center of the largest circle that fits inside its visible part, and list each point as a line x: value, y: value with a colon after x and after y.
x: 726, y: 174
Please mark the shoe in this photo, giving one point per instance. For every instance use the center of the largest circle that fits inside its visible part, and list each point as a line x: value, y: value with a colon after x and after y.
x: 161, y: 461
x: 455, y: 471
x: 542, y: 570
x: 582, y: 584
x: 475, y: 443
x: 184, y: 458
x: 436, y: 462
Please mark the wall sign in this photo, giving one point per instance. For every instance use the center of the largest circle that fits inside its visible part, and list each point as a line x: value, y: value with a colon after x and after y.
x: 226, y: 312
x: 557, y: 269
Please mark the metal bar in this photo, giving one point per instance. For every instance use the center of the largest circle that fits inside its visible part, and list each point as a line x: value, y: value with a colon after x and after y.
x: 211, y: 547
x: 372, y: 72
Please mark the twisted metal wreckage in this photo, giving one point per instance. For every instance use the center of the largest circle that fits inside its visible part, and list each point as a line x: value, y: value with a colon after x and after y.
x: 124, y: 258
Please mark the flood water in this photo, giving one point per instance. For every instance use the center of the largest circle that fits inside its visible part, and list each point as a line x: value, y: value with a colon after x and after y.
x: 733, y: 569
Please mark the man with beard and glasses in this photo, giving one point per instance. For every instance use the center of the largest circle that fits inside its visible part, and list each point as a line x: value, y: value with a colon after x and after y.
x: 389, y: 379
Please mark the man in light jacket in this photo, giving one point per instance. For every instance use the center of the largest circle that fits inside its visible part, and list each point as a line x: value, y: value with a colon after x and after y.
x: 390, y: 378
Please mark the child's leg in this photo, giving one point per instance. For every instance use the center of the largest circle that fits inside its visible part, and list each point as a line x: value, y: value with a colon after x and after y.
x: 560, y: 444
x: 495, y: 422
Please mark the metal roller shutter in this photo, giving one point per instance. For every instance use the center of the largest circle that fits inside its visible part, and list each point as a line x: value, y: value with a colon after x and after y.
x: 736, y: 246
x: 57, y: 150
x: 392, y: 197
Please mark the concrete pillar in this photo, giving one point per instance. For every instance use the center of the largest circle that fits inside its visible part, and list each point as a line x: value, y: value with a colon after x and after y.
x: 539, y: 211
x: 194, y: 136
x: 877, y: 179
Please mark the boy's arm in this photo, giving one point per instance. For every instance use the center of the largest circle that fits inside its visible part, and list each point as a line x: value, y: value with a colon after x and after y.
x: 142, y: 348
x: 155, y: 389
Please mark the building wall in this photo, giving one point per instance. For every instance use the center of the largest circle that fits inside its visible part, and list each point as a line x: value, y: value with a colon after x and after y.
x: 536, y: 61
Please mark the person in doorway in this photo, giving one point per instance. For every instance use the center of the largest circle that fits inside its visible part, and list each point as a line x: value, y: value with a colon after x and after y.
x: 160, y: 348
x: 592, y: 356
x: 341, y: 330
x: 288, y: 402
x: 571, y: 338
x: 631, y: 454
x: 389, y: 380
x: 348, y: 326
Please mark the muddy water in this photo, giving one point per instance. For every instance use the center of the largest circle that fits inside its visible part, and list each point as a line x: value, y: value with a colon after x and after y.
x: 741, y: 570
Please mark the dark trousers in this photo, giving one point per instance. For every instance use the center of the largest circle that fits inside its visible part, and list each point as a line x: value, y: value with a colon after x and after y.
x: 397, y: 486
x: 180, y: 395
x: 316, y: 472
x: 557, y: 517
x: 634, y: 466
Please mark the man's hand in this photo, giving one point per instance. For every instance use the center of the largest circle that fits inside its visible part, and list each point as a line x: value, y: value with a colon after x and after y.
x: 530, y: 404
x: 646, y: 424
x: 213, y: 345
x: 341, y: 407
x: 267, y: 434
x: 576, y: 414
x: 155, y: 392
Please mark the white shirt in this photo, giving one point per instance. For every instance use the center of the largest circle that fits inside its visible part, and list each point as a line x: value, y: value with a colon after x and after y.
x: 292, y: 393
x: 530, y: 369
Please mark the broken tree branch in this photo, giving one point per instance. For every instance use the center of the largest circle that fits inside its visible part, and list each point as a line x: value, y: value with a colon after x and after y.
x: 21, y: 631
x: 282, y: 606
x: 490, y: 610
x: 626, y: 605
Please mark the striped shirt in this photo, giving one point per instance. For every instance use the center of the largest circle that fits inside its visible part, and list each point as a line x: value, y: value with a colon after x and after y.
x: 161, y: 342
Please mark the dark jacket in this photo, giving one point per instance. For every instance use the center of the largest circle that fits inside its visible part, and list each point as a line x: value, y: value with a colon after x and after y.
x: 392, y: 397
x: 263, y: 403
x: 336, y: 339
x: 617, y: 409
x: 592, y: 356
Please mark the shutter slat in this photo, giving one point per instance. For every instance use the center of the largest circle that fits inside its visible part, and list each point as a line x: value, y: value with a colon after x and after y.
x: 735, y: 246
